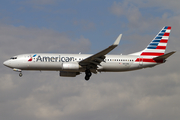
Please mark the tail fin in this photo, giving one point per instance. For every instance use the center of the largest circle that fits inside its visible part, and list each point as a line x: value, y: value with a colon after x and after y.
x: 158, y: 45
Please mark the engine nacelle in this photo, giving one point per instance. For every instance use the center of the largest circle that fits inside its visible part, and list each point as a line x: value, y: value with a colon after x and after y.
x: 70, y: 66
x: 68, y: 74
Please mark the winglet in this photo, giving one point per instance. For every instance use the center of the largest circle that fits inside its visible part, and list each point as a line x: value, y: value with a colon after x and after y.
x: 118, y: 40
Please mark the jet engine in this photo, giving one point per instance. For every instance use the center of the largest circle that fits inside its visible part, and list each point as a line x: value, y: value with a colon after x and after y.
x: 70, y: 66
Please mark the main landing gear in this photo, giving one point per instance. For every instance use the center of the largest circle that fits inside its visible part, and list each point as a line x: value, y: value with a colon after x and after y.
x: 88, y: 74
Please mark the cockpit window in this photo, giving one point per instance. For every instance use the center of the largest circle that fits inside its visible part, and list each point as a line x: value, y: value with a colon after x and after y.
x: 13, y: 58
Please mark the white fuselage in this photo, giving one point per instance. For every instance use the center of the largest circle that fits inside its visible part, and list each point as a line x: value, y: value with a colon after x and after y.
x: 54, y: 62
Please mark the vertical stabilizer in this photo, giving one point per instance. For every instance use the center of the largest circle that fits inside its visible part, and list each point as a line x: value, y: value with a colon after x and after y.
x: 158, y: 45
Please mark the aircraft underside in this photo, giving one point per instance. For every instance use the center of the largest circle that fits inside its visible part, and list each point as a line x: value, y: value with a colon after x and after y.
x: 106, y: 67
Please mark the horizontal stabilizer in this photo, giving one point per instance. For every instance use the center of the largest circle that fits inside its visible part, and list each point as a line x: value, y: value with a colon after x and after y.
x: 163, y: 57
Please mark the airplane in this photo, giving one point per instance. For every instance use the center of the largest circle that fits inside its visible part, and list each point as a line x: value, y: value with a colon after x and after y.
x: 71, y: 65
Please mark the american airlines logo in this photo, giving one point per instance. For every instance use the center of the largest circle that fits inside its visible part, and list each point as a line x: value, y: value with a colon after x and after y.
x: 54, y: 59
x: 32, y: 57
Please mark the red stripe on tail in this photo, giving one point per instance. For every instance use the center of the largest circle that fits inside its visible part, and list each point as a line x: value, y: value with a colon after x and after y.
x: 163, y: 41
x: 166, y: 34
x: 161, y: 47
x: 148, y: 60
x: 169, y: 27
x: 151, y: 54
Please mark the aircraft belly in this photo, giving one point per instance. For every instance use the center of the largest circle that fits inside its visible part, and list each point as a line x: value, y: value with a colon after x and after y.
x: 115, y: 67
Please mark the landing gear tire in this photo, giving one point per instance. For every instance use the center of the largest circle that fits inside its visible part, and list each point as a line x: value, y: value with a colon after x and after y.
x: 20, y: 74
x: 88, y: 74
x: 87, y: 78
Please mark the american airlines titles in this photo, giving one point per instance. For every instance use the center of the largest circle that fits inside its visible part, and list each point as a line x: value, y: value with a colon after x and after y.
x: 54, y: 59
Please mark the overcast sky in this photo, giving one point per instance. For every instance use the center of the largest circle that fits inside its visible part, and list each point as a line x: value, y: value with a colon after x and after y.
x: 88, y: 26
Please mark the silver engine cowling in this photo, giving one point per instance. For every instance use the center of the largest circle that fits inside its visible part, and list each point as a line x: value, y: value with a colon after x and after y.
x: 70, y: 66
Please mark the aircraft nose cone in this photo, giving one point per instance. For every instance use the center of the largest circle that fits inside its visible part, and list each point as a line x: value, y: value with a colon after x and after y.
x: 6, y: 63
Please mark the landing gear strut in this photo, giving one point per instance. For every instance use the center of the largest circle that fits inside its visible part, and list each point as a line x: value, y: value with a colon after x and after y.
x: 18, y: 70
x: 88, y: 74
x: 20, y: 74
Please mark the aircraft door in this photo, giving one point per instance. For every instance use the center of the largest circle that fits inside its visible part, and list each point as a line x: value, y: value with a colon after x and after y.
x: 140, y: 61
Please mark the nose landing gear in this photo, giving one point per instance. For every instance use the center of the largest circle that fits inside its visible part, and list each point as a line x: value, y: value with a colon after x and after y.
x: 88, y: 74
x: 18, y: 70
x: 20, y: 74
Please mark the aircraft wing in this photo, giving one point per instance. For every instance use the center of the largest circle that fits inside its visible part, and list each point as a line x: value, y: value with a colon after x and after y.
x: 97, y: 58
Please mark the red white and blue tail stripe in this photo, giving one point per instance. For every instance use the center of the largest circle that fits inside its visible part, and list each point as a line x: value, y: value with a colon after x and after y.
x: 156, y: 47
